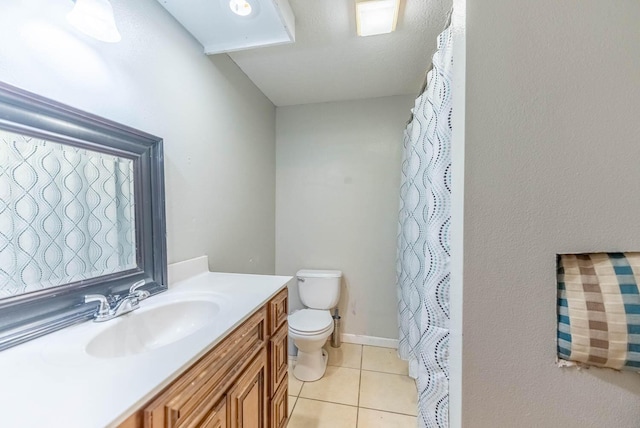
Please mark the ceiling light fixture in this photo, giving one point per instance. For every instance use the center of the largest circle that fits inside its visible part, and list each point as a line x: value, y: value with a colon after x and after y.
x: 376, y: 16
x: 95, y: 18
x: 240, y: 7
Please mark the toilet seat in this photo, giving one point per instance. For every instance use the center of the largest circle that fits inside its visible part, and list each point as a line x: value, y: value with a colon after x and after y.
x: 310, y: 322
x: 293, y: 333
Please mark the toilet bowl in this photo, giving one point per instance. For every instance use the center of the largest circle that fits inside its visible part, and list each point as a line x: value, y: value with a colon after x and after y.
x: 311, y: 327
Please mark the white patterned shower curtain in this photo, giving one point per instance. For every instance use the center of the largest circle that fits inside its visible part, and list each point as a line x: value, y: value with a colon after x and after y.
x: 423, y: 241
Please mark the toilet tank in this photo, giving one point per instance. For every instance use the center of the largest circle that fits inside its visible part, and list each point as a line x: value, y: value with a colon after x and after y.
x: 319, y: 289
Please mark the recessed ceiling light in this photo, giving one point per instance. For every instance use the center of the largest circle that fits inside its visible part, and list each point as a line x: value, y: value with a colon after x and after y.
x: 376, y: 16
x: 240, y: 7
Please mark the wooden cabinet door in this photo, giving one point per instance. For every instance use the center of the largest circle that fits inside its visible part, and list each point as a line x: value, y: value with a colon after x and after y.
x: 280, y: 407
x: 249, y: 396
x: 279, y: 358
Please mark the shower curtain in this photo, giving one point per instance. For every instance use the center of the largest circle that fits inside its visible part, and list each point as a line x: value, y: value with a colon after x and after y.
x: 423, y: 270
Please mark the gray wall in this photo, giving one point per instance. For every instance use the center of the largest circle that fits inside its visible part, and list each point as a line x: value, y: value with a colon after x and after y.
x: 552, y: 166
x: 218, y: 128
x: 338, y: 178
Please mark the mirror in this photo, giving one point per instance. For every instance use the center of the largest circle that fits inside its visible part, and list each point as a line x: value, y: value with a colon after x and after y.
x: 81, y: 212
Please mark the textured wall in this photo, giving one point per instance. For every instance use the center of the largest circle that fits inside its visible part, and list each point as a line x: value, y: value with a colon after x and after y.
x: 338, y: 178
x: 218, y: 128
x: 552, y: 103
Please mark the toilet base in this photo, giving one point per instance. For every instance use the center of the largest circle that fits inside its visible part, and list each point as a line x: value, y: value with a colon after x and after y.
x: 310, y: 366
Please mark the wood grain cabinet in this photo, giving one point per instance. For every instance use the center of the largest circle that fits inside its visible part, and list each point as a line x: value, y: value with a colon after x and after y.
x: 218, y: 416
x: 249, y: 399
x: 278, y: 360
x: 241, y: 383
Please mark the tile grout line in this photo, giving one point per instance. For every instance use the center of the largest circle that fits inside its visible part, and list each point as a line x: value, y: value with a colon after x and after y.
x: 330, y: 402
x: 359, y: 383
x: 357, y: 407
x: 379, y: 371
x: 297, y: 396
x: 388, y: 411
x: 369, y: 370
x: 293, y: 408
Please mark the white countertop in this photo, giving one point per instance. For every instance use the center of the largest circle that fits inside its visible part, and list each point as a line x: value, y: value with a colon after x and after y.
x: 53, y: 382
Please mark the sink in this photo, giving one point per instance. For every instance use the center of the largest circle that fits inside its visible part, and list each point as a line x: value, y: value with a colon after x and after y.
x: 151, y: 328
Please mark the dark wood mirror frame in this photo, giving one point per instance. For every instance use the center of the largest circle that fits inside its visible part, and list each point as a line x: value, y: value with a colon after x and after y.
x: 27, y: 316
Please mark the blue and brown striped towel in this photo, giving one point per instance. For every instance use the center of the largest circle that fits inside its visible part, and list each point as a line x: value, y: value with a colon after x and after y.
x: 599, y: 309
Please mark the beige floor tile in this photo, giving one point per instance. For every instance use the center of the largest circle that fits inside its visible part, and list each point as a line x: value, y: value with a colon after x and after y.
x: 291, y: 403
x: 383, y: 360
x: 368, y: 418
x: 295, y: 385
x: 318, y: 414
x: 390, y: 392
x: 338, y: 385
x: 347, y: 355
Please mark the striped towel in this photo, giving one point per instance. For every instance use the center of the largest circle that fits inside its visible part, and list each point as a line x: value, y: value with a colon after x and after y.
x: 599, y: 309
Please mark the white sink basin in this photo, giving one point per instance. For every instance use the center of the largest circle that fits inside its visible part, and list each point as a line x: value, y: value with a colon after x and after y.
x: 151, y: 328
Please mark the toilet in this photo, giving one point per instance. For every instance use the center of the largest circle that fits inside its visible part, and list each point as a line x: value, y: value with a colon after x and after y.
x: 311, y: 327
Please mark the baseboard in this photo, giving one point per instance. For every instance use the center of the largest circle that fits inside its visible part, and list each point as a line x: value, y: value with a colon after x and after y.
x: 381, y: 342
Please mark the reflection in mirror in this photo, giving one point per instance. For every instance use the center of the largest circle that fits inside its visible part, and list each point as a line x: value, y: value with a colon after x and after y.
x: 66, y: 214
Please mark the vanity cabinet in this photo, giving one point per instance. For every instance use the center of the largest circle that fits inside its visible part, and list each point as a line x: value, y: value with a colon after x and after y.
x: 241, y: 383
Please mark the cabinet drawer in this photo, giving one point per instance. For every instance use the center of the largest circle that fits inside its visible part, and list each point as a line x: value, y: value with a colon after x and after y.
x: 190, y: 398
x: 278, y: 310
x: 278, y: 357
x: 280, y: 406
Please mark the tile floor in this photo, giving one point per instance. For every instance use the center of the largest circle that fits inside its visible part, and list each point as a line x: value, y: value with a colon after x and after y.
x: 363, y: 387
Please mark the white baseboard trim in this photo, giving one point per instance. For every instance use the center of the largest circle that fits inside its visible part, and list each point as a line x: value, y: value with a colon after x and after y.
x: 381, y: 342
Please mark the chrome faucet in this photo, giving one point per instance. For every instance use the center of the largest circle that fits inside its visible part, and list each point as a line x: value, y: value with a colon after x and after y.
x: 121, y: 306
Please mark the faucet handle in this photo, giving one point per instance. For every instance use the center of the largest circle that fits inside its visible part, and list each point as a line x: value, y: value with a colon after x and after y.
x: 103, y: 308
x: 135, y: 290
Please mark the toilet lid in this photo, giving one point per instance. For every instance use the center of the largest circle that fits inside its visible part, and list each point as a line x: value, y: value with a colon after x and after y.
x: 310, y: 320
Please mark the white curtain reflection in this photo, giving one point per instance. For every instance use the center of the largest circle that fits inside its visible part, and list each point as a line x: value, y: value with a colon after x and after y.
x: 66, y: 214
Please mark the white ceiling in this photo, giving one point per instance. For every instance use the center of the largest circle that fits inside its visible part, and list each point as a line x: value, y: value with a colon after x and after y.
x: 328, y: 62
